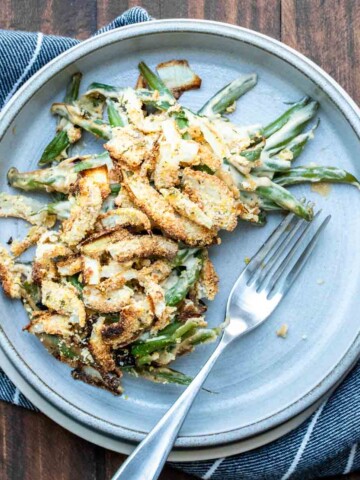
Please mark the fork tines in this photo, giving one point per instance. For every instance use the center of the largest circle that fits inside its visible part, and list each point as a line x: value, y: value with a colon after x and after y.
x: 276, y: 265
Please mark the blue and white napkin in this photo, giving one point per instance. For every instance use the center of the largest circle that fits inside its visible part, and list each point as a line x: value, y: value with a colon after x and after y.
x: 326, y: 444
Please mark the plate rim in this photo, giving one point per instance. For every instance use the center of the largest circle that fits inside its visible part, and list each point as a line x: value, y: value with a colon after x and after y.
x: 176, y: 455
x: 328, y: 85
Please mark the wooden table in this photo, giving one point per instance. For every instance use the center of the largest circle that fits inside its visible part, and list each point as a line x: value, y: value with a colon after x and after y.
x: 32, y: 446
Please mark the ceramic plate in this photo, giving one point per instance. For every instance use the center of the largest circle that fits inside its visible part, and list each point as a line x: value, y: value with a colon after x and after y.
x: 177, y: 454
x: 262, y: 381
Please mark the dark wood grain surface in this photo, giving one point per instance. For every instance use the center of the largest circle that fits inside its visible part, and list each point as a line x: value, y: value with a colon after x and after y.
x: 32, y: 447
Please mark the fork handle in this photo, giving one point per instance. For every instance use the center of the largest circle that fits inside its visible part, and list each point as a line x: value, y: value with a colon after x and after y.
x: 147, y: 460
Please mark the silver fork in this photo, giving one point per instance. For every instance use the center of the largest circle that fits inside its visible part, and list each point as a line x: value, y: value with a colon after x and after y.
x: 254, y: 296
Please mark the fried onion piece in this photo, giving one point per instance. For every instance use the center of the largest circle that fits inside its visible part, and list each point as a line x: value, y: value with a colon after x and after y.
x: 92, y: 187
x: 229, y: 181
x: 91, y: 268
x: 27, y: 208
x: 173, y: 151
x: 96, y: 244
x: 207, y: 157
x: 140, y: 82
x: 134, y: 318
x: 106, y: 302
x: 118, y: 280
x: 50, y: 323
x: 69, y: 266
x: 123, y: 200
x: 208, y: 284
x: 158, y: 271
x: 184, y: 206
x: 130, y: 146
x: 48, y: 248
x: 113, y: 268
x: 124, y: 217
x: 107, y: 380
x: 99, y: 349
x: 64, y: 300
x: 189, y: 309
x: 33, y: 236
x: 156, y: 295
x: 98, y: 176
x: 143, y: 246
x: 178, y: 76
x: 153, y: 204
x: 9, y: 277
x: 213, y: 195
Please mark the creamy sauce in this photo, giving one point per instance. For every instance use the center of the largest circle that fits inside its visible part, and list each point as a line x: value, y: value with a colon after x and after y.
x: 322, y: 189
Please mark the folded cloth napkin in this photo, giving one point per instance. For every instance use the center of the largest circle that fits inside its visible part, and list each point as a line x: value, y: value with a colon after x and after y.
x: 324, y: 445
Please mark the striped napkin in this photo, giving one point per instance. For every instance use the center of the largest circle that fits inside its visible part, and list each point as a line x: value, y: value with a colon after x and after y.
x: 324, y: 445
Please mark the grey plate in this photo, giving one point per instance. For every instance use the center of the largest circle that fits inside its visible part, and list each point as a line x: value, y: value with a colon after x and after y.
x: 263, y: 381
x: 177, y: 454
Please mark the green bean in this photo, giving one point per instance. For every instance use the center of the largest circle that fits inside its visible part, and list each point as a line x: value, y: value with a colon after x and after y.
x: 284, y: 118
x: 250, y: 199
x: 294, y: 125
x: 162, y: 102
x: 280, y: 196
x: 159, y: 374
x: 297, y: 144
x: 59, y: 197
x: 251, y: 155
x: 185, y: 281
x: 314, y: 175
x: 74, y: 115
x: 58, y: 347
x: 61, y: 209
x: 203, y: 168
x: 218, y: 103
x: 183, y: 255
x: 166, y: 98
x: 74, y: 280
x: 115, y: 188
x: 72, y: 90
x: 269, y: 206
x: 170, y: 329
x: 103, y: 90
x: 58, y: 146
x: 153, y: 344
x: 92, y: 161
x: 269, y: 164
x: 154, y: 81
x: 58, y: 178
x: 113, y: 93
x: 34, y: 292
x: 204, y: 335
x: 109, y: 202
x: 116, y: 118
x: 284, y: 134
x: 225, y: 97
x: 276, y: 163
x: 181, y: 119
x: 265, y: 188
x: 194, y: 336
x: 262, y: 219
x: 35, y: 181
x: 272, y: 164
